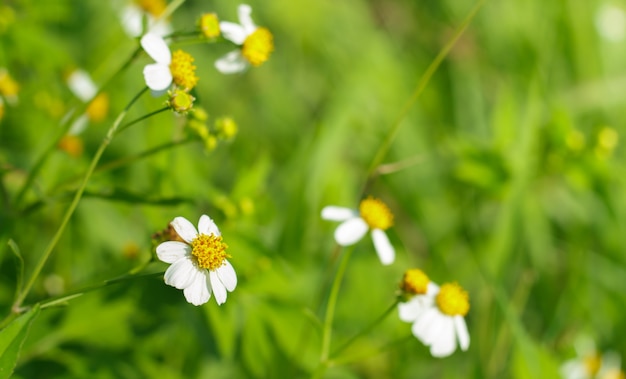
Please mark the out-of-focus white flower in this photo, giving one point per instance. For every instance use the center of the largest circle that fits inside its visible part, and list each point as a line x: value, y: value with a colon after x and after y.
x: 590, y: 363
x: 199, y: 265
x: 257, y: 43
x: 132, y: 16
x: 83, y: 87
x: 372, y: 214
x: 611, y: 22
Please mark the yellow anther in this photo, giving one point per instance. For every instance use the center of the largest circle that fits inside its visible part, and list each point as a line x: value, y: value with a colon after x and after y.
x: 98, y: 108
x: 453, y: 300
x: 183, y: 70
x: 376, y: 214
x: 210, y: 25
x: 258, y: 46
x: 415, y: 282
x: 209, y: 251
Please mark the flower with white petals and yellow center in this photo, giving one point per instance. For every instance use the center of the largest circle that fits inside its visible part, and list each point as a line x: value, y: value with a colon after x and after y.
x: 168, y: 68
x: 438, y: 317
x: 372, y: 214
x: 256, y: 43
x: 133, y: 14
x: 199, y: 265
x: 590, y: 363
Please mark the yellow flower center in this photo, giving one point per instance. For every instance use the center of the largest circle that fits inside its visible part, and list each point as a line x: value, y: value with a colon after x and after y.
x: 592, y: 363
x: 258, y: 46
x: 98, y: 108
x: 453, y: 300
x: 415, y: 282
x: 183, y: 70
x: 154, y: 7
x: 209, y: 251
x: 210, y: 25
x: 376, y: 214
x: 8, y: 86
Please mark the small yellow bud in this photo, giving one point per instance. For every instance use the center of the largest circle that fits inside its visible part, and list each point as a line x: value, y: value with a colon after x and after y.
x: 226, y: 127
x: 210, y: 25
x: 180, y: 101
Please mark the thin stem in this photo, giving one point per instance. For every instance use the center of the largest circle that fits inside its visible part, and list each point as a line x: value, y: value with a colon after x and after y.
x: 330, y: 307
x: 131, y: 123
x: 155, y: 150
x: 70, y: 211
x: 421, y: 85
x: 74, y: 294
x: 368, y: 329
x: 65, y: 125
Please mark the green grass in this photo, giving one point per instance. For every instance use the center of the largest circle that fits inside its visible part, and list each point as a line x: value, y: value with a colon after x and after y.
x: 504, y: 176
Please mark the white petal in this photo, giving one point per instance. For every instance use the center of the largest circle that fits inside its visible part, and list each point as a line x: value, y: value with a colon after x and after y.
x: 231, y: 63
x: 159, y: 27
x: 425, y: 327
x: 334, y: 213
x: 351, y: 231
x: 156, y: 48
x: 461, y: 332
x: 171, y: 251
x: 158, y: 77
x: 218, y: 288
x: 227, y: 276
x: 445, y: 342
x: 198, y: 292
x: 412, y: 309
x: 432, y: 289
x: 245, y: 19
x: 207, y: 226
x: 81, y: 85
x: 131, y: 20
x: 79, y: 125
x: 233, y: 32
x: 184, y: 228
x: 385, y: 251
x: 180, y: 274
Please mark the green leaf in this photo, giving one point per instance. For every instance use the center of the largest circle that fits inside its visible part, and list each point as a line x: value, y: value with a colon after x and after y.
x: 11, y: 340
x: 20, y: 266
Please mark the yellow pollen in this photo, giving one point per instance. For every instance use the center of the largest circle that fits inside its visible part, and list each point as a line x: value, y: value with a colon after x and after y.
x: 592, y: 363
x: 209, y: 251
x: 154, y: 7
x: 98, y: 108
x: 8, y: 86
x: 453, y: 300
x: 183, y: 70
x: 73, y: 145
x: 415, y: 282
x: 210, y: 25
x: 258, y: 46
x: 376, y: 214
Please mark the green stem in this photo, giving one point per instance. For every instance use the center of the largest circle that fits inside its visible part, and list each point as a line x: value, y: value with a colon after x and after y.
x: 421, y: 85
x: 330, y: 308
x: 368, y: 329
x: 131, y: 123
x: 70, y: 211
x: 65, y: 125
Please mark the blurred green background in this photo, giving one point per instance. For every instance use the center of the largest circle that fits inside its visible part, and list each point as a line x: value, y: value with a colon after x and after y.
x: 515, y: 189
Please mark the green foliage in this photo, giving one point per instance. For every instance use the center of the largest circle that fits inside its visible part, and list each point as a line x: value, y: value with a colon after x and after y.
x: 506, y: 176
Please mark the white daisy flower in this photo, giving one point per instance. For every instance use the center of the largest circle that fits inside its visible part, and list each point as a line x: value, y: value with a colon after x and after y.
x: 167, y: 69
x: 373, y: 214
x: 420, y: 292
x: 198, y: 266
x: 132, y: 16
x: 438, y: 318
x: 590, y: 364
x: 256, y: 43
x: 83, y: 87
